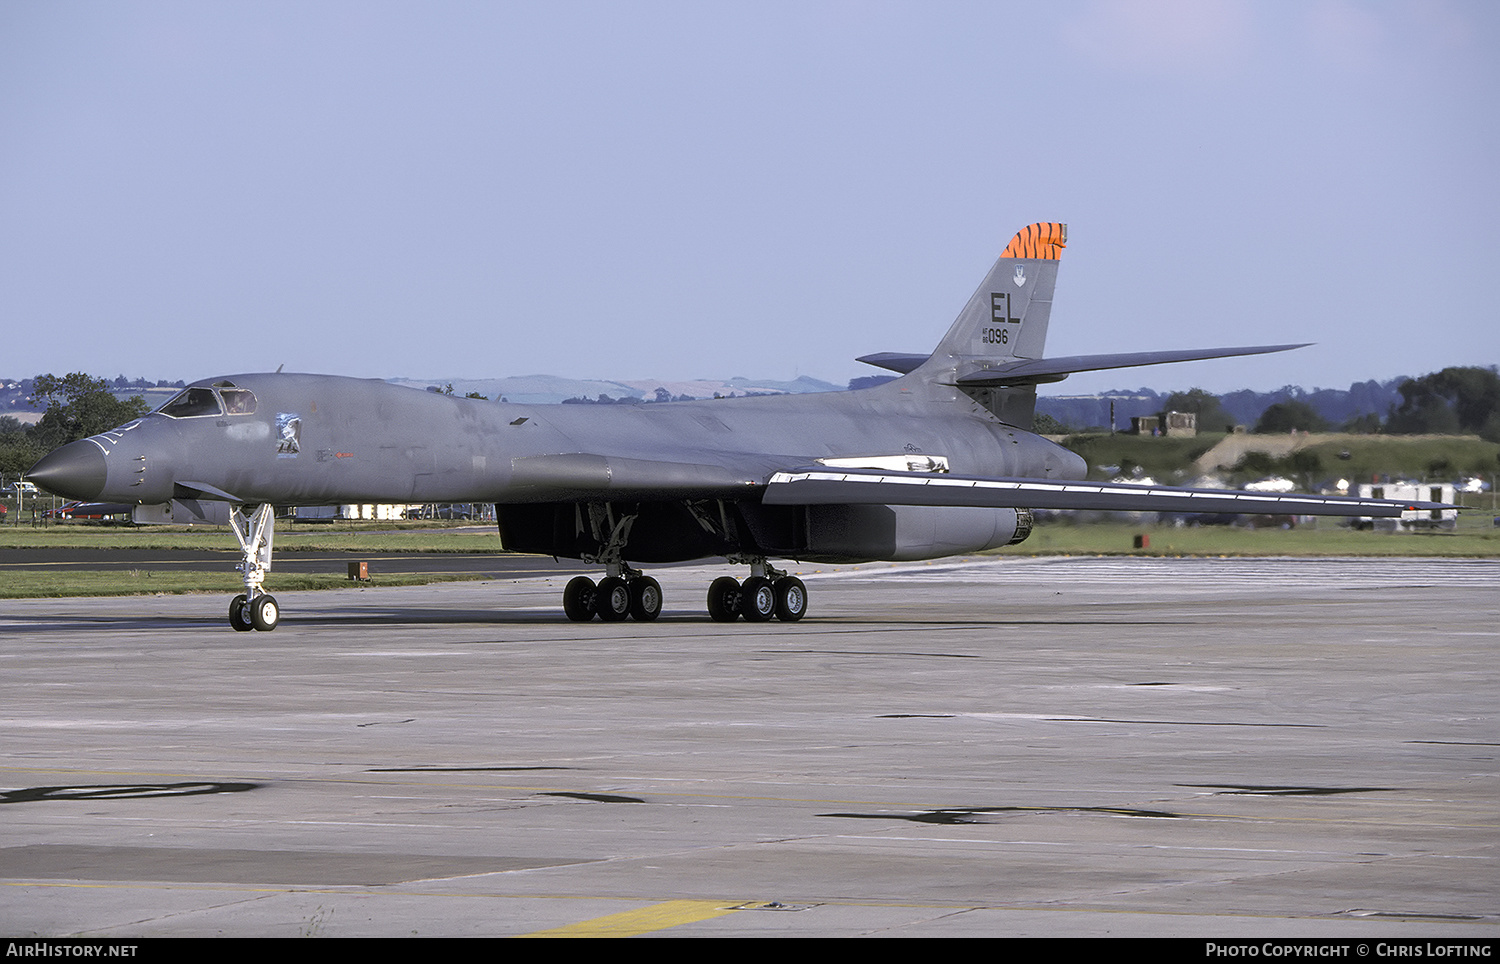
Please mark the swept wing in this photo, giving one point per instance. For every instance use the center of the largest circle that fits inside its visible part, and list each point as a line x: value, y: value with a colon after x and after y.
x: 823, y: 486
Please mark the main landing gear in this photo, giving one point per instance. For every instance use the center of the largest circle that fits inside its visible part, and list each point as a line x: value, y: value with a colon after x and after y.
x: 254, y: 608
x: 627, y: 593
x: 767, y: 594
x: 623, y: 591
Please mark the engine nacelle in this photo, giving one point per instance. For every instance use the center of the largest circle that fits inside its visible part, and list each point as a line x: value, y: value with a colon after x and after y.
x: 864, y: 533
x: 673, y: 531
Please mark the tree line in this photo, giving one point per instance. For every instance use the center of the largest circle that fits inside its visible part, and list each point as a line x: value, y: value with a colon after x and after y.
x: 1454, y: 401
x: 74, y: 406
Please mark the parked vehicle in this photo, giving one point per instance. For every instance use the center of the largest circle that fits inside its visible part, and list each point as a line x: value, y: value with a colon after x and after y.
x: 87, y: 510
x: 442, y: 510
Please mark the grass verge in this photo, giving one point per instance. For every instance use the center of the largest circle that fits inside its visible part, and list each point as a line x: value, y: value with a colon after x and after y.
x: 37, y: 584
x: 367, y: 537
x: 1117, y: 539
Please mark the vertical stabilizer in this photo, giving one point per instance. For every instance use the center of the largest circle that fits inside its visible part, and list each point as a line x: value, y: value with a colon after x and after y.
x: 1005, y: 321
x: 1007, y: 317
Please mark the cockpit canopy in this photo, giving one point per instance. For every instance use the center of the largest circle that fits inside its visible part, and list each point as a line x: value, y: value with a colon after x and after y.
x: 223, y: 398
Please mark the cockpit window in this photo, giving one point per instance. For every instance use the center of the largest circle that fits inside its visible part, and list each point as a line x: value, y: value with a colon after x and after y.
x: 238, y: 401
x: 192, y: 402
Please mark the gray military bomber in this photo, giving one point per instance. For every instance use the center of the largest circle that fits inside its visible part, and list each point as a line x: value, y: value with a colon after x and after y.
x: 938, y: 462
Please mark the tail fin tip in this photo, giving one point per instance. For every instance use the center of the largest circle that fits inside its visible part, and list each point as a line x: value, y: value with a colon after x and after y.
x: 1044, y: 240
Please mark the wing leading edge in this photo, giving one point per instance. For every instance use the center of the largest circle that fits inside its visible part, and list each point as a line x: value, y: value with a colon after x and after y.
x: 819, y: 486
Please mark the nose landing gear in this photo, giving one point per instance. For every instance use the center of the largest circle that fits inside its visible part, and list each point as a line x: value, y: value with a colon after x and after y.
x: 254, y: 608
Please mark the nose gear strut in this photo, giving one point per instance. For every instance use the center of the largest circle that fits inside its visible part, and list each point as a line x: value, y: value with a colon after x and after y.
x: 254, y: 608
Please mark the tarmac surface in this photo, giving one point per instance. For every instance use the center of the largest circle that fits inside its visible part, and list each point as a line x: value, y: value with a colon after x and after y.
x: 1222, y: 748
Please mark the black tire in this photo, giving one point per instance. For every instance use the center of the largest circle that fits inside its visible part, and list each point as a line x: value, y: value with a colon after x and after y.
x: 724, y: 599
x: 791, y: 599
x: 613, y: 600
x: 757, y: 599
x: 645, y: 599
x: 578, y: 599
x: 264, y: 613
x: 237, y: 616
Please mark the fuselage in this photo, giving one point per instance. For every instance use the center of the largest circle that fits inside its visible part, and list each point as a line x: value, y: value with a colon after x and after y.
x: 294, y: 439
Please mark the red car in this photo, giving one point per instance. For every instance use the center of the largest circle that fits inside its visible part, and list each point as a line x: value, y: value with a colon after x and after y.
x: 86, y: 510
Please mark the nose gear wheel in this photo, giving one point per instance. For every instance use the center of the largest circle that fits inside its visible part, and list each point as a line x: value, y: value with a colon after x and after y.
x: 254, y: 608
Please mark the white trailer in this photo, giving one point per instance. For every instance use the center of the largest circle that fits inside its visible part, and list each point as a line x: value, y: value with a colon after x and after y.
x: 1412, y: 519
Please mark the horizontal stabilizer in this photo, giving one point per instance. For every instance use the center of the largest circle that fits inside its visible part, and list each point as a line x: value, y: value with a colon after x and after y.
x: 1037, y: 370
x: 872, y: 487
x: 894, y: 361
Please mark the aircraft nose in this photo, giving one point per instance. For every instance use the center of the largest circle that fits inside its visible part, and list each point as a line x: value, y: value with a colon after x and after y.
x: 77, y: 470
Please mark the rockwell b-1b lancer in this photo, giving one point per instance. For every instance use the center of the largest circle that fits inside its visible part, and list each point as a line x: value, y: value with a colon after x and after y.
x: 937, y: 462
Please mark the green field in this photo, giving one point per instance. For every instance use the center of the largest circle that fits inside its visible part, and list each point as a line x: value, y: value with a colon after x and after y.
x: 1358, y: 458
x: 1475, y: 537
x: 363, y: 538
x: 290, y: 537
x: 1164, y: 459
x: 37, y: 583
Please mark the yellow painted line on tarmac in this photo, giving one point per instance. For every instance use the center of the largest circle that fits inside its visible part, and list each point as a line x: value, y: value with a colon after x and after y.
x: 643, y: 921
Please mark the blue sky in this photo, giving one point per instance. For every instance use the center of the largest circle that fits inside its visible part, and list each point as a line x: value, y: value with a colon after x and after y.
x: 679, y: 190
